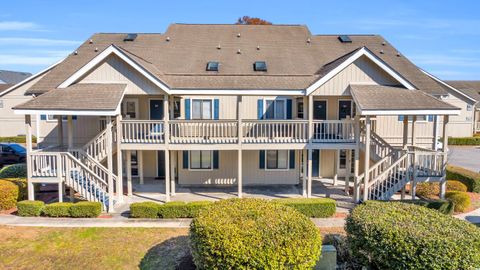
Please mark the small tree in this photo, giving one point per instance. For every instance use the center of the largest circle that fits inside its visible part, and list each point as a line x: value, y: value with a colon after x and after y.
x: 252, y: 20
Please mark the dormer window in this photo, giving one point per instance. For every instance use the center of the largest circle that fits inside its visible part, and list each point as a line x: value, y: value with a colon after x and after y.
x: 212, y: 66
x: 260, y: 66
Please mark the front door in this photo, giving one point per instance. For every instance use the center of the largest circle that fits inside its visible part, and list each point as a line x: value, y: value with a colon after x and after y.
x: 315, y: 163
x: 156, y: 109
x: 344, y: 109
x: 320, y: 109
x: 160, y: 165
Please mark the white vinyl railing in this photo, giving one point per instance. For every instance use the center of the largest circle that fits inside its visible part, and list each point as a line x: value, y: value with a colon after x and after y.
x: 142, y: 131
x: 428, y: 163
x: 271, y: 131
x: 44, y: 164
x: 378, y: 146
x: 334, y: 131
x: 390, y: 180
x: 92, y: 164
x: 203, y: 131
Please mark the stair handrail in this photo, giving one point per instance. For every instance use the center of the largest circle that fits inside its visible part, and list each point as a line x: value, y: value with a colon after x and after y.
x: 83, y: 166
x: 97, y: 164
x: 386, y: 171
x: 95, y: 140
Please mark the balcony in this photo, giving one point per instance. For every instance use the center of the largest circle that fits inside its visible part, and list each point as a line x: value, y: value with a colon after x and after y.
x: 227, y: 132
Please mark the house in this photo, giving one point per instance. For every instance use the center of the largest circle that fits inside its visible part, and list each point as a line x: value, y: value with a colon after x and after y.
x: 471, y: 89
x: 236, y: 105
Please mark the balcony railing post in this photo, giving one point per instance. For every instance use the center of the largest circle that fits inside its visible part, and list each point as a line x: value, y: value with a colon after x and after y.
x: 166, y: 117
x: 239, y: 122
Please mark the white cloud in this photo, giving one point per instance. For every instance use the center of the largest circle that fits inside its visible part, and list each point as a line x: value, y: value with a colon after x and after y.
x: 44, y: 59
x: 445, y: 60
x: 16, y: 25
x: 37, y: 41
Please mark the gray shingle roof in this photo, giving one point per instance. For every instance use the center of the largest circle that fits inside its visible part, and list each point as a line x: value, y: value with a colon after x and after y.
x: 377, y: 97
x: 13, y: 77
x: 78, y: 97
x: 178, y: 57
x: 469, y: 88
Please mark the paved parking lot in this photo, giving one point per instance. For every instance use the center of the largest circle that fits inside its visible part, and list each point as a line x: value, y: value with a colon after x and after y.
x: 465, y: 156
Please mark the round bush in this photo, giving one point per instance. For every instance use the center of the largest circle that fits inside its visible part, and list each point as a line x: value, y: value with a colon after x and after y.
x: 30, y: 208
x: 461, y: 200
x: 58, y: 209
x: 86, y: 209
x: 253, y: 234
x: 455, y: 185
x: 428, y: 190
x: 394, y: 235
x: 8, y: 195
x: 14, y: 171
x: 144, y: 210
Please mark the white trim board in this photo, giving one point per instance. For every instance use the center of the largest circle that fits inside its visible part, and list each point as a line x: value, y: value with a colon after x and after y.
x: 69, y: 112
x: 410, y: 112
x: 448, y: 86
x: 362, y: 52
x: 235, y: 92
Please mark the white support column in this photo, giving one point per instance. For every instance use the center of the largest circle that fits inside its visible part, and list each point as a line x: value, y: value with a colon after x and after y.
x: 239, y: 173
x: 70, y: 131
x: 119, y: 158
x: 166, y: 131
x: 304, y: 176
x: 109, y: 159
x: 128, y: 155
x: 28, y: 128
x: 167, y: 175
x: 309, y: 173
x: 414, y: 139
x: 435, y: 133
x: 348, y: 172
x: 61, y: 189
x: 239, y: 120
x: 60, y: 130
x: 173, y: 164
x: 140, y: 166
x: 336, y: 165
x: 443, y: 182
x: 404, y: 146
x: 368, y: 126
x: 413, y: 186
x: 356, y: 165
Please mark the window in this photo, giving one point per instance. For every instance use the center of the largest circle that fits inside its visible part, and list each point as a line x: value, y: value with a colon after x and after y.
x: 260, y: 66
x: 343, y: 159
x: 51, y: 117
x: 212, y: 66
x: 469, y: 107
x: 177, y: 109
x: 202, y: 109
x: 130, y: 109
x: 345, y: 39
x: 275, y: 109
x: 420, y: 118
x: 300, y: 110
x: 277, y: 159
x: 201, y: 160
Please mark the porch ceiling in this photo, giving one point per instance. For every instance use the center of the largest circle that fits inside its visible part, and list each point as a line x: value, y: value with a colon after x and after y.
x: 385, y: 100
x: 79, y: 99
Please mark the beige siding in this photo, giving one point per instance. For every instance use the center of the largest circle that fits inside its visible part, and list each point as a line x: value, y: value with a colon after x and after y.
x: 84, y: 129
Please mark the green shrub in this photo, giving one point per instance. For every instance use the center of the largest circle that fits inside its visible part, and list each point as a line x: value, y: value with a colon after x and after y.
x: 428, y: 190
x: 469, y: 178
x: 195, y: 207
x: 22, y: 187
x: 59, y: 209
x: 454, y: 185
x: 144, y: 210
x: 395, y: 235
x: 253, y: 234
x: 461, y: 200
x: 464, y: 141
x: 314, y: 208
x: 8, y: 195
x: 86, y: 209
x: 30, y: 208
x: 443, y: 206
x: 17, y: 139
x: 14, y: 171
x: 181, y: 209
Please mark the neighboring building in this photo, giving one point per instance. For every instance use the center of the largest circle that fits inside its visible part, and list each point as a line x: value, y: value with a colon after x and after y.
x: 236, y: 105
x: 471, y: 89
x: 13, y: 77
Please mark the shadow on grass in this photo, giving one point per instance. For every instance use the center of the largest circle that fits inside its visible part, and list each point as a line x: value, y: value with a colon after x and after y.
x: 173, y: 253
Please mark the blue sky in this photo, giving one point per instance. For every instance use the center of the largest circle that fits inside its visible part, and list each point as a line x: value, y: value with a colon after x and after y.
x: 442, y: 37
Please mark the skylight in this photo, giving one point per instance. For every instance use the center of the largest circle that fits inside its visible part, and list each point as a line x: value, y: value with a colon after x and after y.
x: 260, y: 66
x: 212, y: 66
x: 344, y: 39
x: 130, y: 37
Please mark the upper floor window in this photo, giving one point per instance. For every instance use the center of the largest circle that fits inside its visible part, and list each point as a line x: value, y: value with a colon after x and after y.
x: 130, y: 108
x: 275, y: 109
x: 201, y: 109
x: 300, y: 108
x: 177, y: 108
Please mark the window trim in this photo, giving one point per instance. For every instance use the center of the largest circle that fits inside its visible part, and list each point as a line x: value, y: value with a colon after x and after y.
x: 199, y: 169
x: 278, y: 169
x: 352, y: 114
x: 275, y: 108
x: 137, y: 110
x: 201, y: 99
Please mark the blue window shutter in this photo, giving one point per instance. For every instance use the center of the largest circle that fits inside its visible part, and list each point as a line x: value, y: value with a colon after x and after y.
x: 260, y: 109
x: 216, y: 108
x: 400, y: 118
x: 187, y: 109
x: 289, y: 109
x: 430, y: 118
x: 185, y: 159
x: 43, y: 117
x: 292, y: 159
x: 74, y: 117
x: 215, y: 159
x: 261, y: 157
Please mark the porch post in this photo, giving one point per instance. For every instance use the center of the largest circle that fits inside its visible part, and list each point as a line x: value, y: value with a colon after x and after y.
x: 413, y: 187
x: 28, y: 127
x: 404, y: 146
x: 435, y: 133
x: 304, y: 176
x: 60, y: 130
x: 356, y: 165
x: 336, y: 164
x: 414, y: 139
x: 309, y: 173
x: 173, y: 164
x: 140, y: 166
x: 367, y: 158
x: 167, y: 175
x: 61, y: 189
x: 70, y: 131
x: 349, y: 172
x: 239, y: 173
x: 109, y: 159
x: 443, y: 182
x: 128, y: 154
x: 166, y: 131
x: 119, y: 158
x: 239, y: 154
x: 310, y: 138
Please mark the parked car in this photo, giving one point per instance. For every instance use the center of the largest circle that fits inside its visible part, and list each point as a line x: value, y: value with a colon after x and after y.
x: 11, y: 153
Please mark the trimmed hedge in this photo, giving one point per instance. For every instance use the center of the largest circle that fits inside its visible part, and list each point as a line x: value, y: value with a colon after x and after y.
x: 461, y: 200
x: 455, y: 185
x: 14, y: 171
x: 8, y: 195
x: 17, y: 139
x: 314, y: 208
x: 469, y: 178
x: 464, y: 141
x: 253, y: 234
x: 59, y: 209
x: 86, y: 209
x: 443, y: 206
x: 167, y: 210
x: 144, y: 210
x: 30, y: 208
x: 397, y: 235
x: 428, y: 190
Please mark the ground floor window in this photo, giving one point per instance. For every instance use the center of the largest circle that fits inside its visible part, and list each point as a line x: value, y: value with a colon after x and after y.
x: 277, y: 159
x: 343, y: 159
x: 201, y: 160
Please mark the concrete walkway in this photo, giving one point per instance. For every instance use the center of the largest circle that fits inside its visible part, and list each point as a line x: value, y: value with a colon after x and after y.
x: 473, y: 217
